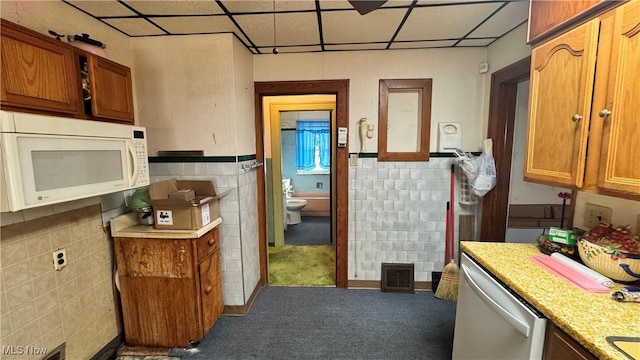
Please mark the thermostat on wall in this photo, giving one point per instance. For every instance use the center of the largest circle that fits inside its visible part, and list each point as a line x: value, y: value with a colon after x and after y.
x: 449, y: 136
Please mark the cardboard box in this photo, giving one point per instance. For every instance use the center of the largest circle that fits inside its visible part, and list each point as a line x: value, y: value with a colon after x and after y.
x: 183, y: 194
x: 562, y: 236
x: 179, y: 214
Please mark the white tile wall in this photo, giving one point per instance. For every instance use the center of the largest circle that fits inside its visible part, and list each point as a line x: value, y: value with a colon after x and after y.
x: 397, y: 213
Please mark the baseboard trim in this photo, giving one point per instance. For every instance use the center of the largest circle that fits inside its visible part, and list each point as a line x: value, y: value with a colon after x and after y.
x: 109, y: 351
x: 375, y: 284
x: 242, y: 310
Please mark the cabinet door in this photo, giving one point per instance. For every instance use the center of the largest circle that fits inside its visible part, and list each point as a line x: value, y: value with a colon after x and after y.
x: 38, y: 72
x: 211, y: 290
x: 561, y: 87
x: 111, y: 94
x: 560, y: 346
x: 550, y: 15
x: 619, y: 168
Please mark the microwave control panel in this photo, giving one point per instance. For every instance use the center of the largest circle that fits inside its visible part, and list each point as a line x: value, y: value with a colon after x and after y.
x: 139, y: 142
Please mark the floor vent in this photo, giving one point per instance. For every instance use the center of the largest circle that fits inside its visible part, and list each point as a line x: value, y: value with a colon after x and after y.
x: 397, y: 278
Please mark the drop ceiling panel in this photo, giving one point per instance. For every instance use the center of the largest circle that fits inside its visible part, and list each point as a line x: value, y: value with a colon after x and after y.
x: 135, y: 27
x: 292, y: 49
x: 440, y: 22
x: 351, y: 27
x: 292, y: 28
x: 196, y: 24
x: 422, y: 44
x: 182, y: 7
x: 356, y: 46
x: 267, y: 6
x: 514, y: 14
x: 475, y: 42
x: 103, y: 8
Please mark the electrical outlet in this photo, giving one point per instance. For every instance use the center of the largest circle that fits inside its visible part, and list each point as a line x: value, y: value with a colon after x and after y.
x: 59, y: 259
x: 353, y: 159
x: 595, y: 214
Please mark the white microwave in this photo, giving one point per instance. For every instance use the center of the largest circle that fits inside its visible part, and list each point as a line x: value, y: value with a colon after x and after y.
x: 48, y: 160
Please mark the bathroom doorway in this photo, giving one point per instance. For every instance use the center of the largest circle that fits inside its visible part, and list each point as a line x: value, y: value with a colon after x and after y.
x: 340, y: 161
x: 298, y: 164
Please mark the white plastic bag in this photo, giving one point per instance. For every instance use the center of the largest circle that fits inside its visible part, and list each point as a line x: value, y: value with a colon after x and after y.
x: 481, y: 170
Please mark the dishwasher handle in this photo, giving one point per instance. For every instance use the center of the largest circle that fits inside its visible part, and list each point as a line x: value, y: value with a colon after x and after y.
x: 523, y: 328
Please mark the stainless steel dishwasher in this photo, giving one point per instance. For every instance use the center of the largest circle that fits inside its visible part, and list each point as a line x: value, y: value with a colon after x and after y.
x: 491, y: 321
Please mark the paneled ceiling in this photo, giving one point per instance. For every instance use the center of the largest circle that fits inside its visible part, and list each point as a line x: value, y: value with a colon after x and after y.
x: 316, y: 25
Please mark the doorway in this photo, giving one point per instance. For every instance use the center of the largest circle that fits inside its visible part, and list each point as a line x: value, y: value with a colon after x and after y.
x: 299, y: 163
x: 339, y: 173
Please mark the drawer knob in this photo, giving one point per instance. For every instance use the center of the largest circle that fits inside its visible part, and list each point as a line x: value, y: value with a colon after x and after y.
x: 211, y: 241
x: 576, y: 118
x: 208, y: 288
x: 604, y: 113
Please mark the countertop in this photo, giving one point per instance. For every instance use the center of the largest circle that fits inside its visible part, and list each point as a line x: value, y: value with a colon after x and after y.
x: 127, y: 226
x: 587, y: 317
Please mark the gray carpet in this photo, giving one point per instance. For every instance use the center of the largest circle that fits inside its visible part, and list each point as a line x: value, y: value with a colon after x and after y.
x: 313, y: 230
x: 330, y: 323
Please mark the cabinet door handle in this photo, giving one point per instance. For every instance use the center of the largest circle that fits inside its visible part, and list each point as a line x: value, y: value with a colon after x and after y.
x: 211, y: 241
x: 576, y: 118
x: 604, y: 113
x: 207, y: 289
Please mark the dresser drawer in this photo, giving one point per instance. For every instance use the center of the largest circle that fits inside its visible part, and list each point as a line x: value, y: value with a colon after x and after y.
x: 208, y: 243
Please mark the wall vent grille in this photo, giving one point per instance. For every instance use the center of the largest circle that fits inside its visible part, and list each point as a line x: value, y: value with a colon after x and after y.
x: 397, y: 278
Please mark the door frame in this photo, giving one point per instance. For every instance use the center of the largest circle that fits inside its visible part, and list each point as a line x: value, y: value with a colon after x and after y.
x: 502, y: 115
x: 339, y: 88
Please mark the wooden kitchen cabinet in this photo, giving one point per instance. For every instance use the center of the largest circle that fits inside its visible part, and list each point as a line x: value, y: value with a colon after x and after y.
x: 583, y: 106
x: 44, y: 75
x: 170, y: 289
x: 560, y: 346
x: 37, y: 72
x: 111, y: 89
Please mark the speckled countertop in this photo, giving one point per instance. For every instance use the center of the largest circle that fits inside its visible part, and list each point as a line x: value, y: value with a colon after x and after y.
x: 588, y: 317
x: 127, y: 226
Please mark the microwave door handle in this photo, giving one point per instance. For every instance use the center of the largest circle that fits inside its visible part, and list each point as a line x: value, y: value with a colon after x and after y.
x: 132, y: 154
x: 515, y: 322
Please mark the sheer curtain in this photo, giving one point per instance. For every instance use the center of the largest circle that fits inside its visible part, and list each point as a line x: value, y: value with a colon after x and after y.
x: 309, y: 135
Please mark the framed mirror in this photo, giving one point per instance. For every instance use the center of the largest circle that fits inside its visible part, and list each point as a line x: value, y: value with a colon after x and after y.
x: 404, y: 119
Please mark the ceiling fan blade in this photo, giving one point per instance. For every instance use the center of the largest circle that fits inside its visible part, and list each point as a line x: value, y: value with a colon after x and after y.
x: 366, y: 6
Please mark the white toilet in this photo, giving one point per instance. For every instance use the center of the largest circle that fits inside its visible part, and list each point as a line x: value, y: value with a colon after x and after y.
x: 294, y: 205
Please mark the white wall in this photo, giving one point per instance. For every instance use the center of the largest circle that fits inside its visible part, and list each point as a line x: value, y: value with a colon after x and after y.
x: 457, y: 85
x: 624, y: 212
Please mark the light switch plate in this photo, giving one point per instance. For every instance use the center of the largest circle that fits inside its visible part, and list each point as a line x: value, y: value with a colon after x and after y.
x: 595, y: 214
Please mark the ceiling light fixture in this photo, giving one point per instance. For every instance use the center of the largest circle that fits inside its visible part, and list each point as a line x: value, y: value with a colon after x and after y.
x: 275, y: 48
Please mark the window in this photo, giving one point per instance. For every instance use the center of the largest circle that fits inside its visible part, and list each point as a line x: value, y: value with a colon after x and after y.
x: 313, y: 147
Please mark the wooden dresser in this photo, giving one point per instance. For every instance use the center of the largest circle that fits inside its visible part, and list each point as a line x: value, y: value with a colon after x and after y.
x: 170, y: 282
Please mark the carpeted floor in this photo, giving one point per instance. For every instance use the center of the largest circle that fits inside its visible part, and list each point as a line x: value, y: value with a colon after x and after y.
x: 312, y: 230
x: 302, y: 265
x: 330, y: 323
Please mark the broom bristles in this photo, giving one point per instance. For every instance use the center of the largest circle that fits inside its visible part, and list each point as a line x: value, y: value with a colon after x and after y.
x: 448, y: 286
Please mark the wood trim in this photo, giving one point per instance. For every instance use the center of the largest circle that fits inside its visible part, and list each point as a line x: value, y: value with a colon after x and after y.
x: 242, y: 310
x: 340, y: 88
x: 373, y: 284
x: 385, y: 85
x: 502, y: 108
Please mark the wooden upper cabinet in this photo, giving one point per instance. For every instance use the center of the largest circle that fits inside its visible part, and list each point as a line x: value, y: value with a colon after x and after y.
x: 38, y: 72
x: 549, y: 17
x: 111, y: 90
x: 619, y: 170
x: 561, y: 87
x: 43, y: 75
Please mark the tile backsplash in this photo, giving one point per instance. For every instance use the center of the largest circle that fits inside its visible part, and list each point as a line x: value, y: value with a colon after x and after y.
x: 42, y: 307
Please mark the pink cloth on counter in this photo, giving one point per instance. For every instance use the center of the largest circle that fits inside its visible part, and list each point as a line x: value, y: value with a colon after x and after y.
x: 568, y: 273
